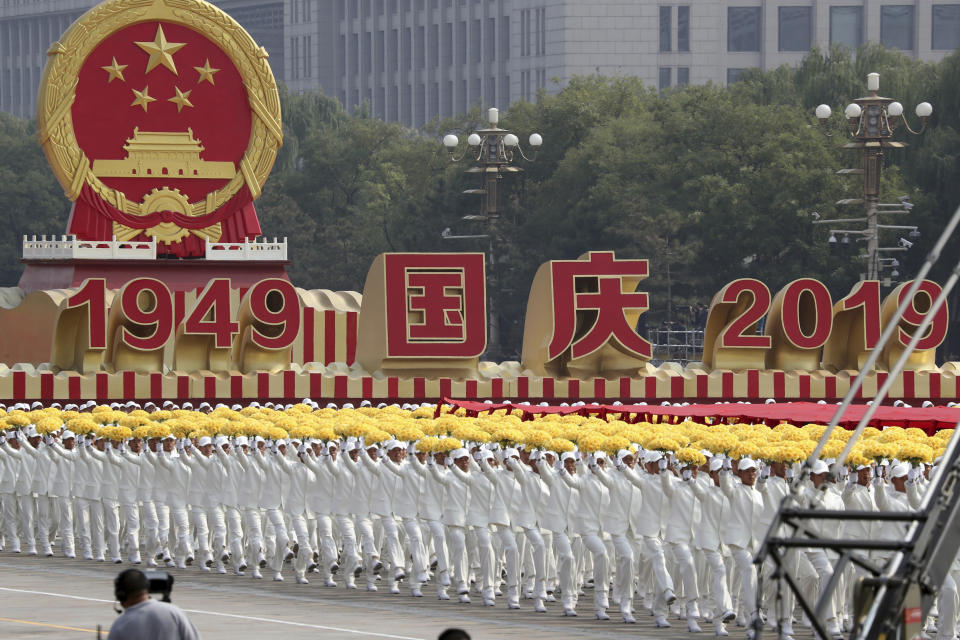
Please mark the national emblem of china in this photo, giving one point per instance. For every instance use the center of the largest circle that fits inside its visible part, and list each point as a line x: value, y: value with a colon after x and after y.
x: 161, y: 119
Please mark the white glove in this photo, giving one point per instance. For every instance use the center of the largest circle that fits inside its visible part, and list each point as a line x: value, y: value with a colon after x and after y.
x: 301, y: 449
x: 765, y: 473
x: 913, y: 474
x: 687, y: 474
x: 662, y: 464
x: 48, y: 439
x: 727, y: 463
x: 788, y: 474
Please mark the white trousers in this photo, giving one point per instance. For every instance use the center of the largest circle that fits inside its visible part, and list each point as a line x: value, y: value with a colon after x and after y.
x: 348, y: 536
x: 276, y: 520
x: 46, y: 520
x: 216, y: 519
x: 418, y: 554
x: 948, y: 603
x: 298, y: 523
x: 253, y: 528
x: 151, y: 528
x: 9, y: 510
x: 198, y: 520
x: 459, y: 564
x: 683, y: 558
x: 90, y: 518
x: 28, y: 510
x: 179, y: 519
x: 65, y: 510
x: 485, y: 577
x: 743, y: 564
x: 601, y: 569
x: 717, y: 582
x: 539, y: 551
x: 111, y: 522
x: 623, y: 581
x: 234, y: 534
x: 130, y: 513
x: 438, y: 535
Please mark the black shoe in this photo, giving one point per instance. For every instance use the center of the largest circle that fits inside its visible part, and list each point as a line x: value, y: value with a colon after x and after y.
x: 357, y: 572
x: 334, y: 568
x: 378, y: 567
x: 263, y: 564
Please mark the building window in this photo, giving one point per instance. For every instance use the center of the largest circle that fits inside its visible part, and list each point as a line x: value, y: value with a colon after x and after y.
x: 448, y: 42
x: 307, y: 10
x: 354, y: 53
x: 475, y: 42
x: 420, y: 48
x: 683, y: 28
x: 665, y: 26
x: 795, y: 24
x: 378, y: 52
x: 367, y: 52
x: 405, y: 49
x: 541, y: 32
x: 505, y: 38
x: 462, y: 42
x: 846, y: 27
x: 733, y: 75
x: 683, y: 76
x: 743, y: 28
x: 491, y: 39
x: 946, y: 27
x: 435, y: 45
x: 308, y: 55
x: 524, y: 32
x: 666, y: 73
x: 393, y: 50
x: 896, y: 26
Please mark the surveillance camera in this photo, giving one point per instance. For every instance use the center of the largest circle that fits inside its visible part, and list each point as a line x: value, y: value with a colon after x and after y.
x: 815, y: 215
x: 445, y: 233
x: 906, y: 244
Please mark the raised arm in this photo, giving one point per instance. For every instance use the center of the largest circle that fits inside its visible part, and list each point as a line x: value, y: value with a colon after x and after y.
x: 368, y: 462
x: 393, y: 467
x: 666, y: 483
x: 633, y: 478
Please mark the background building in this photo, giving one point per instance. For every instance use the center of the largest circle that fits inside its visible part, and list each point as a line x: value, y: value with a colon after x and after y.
x: 413, y: 60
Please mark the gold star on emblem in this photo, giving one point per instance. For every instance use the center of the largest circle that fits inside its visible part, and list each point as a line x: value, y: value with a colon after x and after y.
x: 115, y: 70
x: 161, y: 51
x: 182, y: 99
x: 206, y: 72
x: 142, y: 98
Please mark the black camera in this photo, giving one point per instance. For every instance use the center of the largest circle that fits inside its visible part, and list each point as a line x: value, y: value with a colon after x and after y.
x: 160, y: 582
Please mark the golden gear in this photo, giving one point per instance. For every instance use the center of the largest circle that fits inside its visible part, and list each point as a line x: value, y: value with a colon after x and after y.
x: 166, y: 199
x: 58, y: 91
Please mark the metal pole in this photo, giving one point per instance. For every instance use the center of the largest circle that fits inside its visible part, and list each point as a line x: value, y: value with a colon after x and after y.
x: 872, y: 162
x: 492, y: 212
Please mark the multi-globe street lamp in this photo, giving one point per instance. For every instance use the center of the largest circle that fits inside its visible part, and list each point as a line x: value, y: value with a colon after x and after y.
x: 492, y: 150
x: 872, y: 122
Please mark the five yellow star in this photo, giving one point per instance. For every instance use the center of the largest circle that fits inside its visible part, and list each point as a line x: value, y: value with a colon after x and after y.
x: 115, y: 70
x: 206, y: 72
x: 161, y: 51
x: 143, y: 98
x: 182, y: 99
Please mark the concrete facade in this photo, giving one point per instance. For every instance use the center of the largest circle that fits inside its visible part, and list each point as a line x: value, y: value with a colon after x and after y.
x: 414, y: 60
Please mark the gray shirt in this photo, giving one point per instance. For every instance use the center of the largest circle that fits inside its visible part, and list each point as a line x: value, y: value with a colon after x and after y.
x: 153, y: 620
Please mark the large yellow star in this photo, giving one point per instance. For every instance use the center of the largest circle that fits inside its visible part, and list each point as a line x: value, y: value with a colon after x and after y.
x: 182, y: 99
x: 115, y: 70
x: 206, y: 72
x: 142, y: 98
x: 161, y: 51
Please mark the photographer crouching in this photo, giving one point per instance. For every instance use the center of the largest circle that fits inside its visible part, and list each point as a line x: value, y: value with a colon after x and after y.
x: 144, y: 618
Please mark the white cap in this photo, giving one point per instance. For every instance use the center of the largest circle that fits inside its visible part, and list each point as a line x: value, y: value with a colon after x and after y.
x: 30, y: 431
x: 652, y: 456
x: 204, y: 441
x: 819, y: 467
x: 511, y: 453
x: 623, y: 453
x: 241, y: 441
x: 169, y: 436
x: 568, y: 455
x: 395, y: 444
x: 459, y: 453
x: 900, y: 470
x: 221, y: 440
x: 67, y: 434
x: 746, y: 463
x: 716, y: 463
x: 187, y: 405
x: 332, y: 445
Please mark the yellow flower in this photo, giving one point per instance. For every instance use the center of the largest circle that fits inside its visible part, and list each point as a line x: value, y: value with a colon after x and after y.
x: 688, y: 455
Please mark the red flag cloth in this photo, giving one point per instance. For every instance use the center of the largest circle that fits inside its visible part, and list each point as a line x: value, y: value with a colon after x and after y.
x: 929, y: 419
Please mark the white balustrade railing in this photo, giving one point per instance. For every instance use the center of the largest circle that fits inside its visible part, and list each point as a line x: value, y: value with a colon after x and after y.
x: 247, y: 250
x: 69, y: 247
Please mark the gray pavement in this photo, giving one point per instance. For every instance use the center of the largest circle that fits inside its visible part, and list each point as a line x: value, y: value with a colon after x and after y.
x: 60, y: 598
